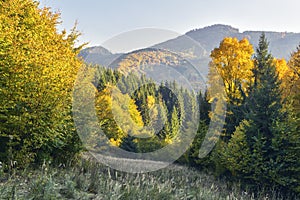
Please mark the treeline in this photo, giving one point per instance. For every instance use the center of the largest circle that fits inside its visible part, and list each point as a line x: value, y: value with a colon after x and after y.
x: 260, y: 140
x: 138, y: 115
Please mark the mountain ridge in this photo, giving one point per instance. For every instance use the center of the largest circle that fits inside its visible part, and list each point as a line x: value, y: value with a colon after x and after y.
x: 196, y: 45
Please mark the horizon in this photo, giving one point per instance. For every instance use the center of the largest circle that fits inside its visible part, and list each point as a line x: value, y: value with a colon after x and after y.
x: 99, y: 21
x: 149, y: 37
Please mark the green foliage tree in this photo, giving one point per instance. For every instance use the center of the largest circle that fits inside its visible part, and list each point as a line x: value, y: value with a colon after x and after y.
x: 294, y: 64
x: 129, y: 144
x: 264, y: 105
x: 193, y: 151
x: 263, y: 110
x: 204, y: 107
x: 255, y: 152
x: 286, y: 147
x: 175, y: 124
x: 236, y: 156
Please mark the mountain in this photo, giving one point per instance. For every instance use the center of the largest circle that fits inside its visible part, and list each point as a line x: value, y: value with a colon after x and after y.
x: 199, y: 43
x: 196, y: 45
x: 282, y: 44
x: 160, y: 65
x: 98, y: 55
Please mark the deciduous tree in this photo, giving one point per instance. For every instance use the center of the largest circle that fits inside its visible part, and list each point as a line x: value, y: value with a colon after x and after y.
x: 38, y: 67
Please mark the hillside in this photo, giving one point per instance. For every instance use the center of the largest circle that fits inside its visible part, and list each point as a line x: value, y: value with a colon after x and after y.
x: 281, y: 44
x: 196, y: 45
x: 90, y: 180
x: 98, y: 55
x: 160, y: 65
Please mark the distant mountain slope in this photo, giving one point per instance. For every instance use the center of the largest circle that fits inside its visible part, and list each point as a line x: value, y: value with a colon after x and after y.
x: 281, y: 44
x: 160, y: 65
x: 98, y: 55
x: 199, y: 42
x: 196, y: 45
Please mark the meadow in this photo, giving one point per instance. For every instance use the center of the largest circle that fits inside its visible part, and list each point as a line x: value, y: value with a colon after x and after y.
x: 88, y: 179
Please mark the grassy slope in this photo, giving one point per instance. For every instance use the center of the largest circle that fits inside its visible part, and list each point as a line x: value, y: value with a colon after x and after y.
x: 90, y: 180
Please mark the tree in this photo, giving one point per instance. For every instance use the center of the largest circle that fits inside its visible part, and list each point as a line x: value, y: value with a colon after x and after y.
x: 103, y: 105
x: 264, y: 105
x: 294, y: 64
x: 263, y: 111
x: 129, y: 144
x: 193, y: 151
x: 204, y: 107
x: 118, y: 115
x: 286, y: 75
x: 264, y: 148
x: 286, y: 145
x: 38, y: 68
x: 232, y: 61
x: 175, y: 124
x: 236, y: 154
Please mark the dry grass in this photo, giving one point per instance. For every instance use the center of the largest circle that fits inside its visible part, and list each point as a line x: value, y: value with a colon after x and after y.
x: 91, y: 180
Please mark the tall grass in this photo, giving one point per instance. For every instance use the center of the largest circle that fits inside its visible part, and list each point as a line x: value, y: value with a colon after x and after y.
x: 90, y: 180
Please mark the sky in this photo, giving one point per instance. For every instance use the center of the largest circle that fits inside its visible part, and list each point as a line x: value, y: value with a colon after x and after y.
x: 101, y: 20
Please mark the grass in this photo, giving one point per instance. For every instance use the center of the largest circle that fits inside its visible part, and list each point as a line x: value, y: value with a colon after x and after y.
x: 91, y: 180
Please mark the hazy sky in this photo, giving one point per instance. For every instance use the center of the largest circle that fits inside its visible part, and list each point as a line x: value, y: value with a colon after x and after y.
x: 100, y: 20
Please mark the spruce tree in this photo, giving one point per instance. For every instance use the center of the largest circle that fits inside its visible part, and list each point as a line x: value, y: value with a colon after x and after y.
x: 258, y: 137
x: 204, y: 107
x: 128, y: 144
x: 263, y: 105
x: 263, y: 111
x: 174, y: 124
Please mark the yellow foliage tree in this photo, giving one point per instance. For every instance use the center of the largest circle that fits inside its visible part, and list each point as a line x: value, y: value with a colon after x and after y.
x: 117, y: 114
x: 230, y: 76
x: 232, y: 61
x: 286, y: 75
x: 38, y: 67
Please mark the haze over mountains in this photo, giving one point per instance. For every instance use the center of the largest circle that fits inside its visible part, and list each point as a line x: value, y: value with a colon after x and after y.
x: 196, y: 45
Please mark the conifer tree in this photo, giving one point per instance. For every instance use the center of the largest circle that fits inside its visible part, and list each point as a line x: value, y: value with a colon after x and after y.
x: 263, y: 106
x: 204, y: 107
x: 257, y: 134
x: 129, y: 144
x: 174, y: 126
x: 294, y: 64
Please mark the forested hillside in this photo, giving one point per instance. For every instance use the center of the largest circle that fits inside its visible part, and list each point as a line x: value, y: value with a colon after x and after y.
x: 47, y: 126
x: 260, y: 140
